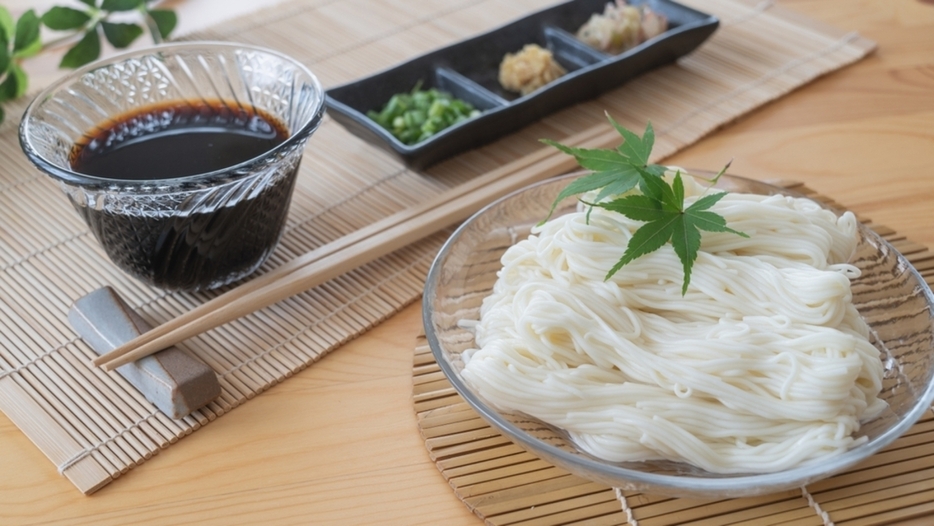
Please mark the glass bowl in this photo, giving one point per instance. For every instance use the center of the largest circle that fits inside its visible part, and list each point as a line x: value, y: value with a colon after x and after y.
x: 198, y: 231
x: 890, y: 295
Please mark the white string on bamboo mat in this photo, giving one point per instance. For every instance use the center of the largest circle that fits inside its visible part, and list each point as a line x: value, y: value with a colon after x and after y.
x: 80, y: 455
x: 626, y: 509
x: 43, y: 249
x: 8, y: 372
x: 814, y: 504
x: 804, y: 493
x: 21, y: 182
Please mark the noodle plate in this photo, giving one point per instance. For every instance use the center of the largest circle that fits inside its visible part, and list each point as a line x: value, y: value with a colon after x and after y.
x: 764, y: 364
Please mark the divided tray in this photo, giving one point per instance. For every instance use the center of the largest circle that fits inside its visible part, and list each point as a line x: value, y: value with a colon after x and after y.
x: 469, y: 71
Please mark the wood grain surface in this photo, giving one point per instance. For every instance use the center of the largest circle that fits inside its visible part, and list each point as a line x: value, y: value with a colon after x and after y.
x: 338, y: 443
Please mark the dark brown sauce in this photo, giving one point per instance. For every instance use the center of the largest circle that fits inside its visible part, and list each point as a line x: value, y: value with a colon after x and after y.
x: 176, y: 139
x: 203, y: 247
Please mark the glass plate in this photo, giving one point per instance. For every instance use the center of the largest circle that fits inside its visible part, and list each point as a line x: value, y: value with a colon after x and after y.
x: 890, y: 295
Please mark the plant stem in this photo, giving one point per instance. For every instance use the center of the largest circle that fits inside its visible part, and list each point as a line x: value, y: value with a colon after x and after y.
x: 97, y: 16
x: 66, y: 39
x: 153, y: 28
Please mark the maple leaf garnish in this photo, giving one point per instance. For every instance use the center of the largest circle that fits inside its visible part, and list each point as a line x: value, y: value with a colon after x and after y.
x: 666, y: 219
x: 660, y: 205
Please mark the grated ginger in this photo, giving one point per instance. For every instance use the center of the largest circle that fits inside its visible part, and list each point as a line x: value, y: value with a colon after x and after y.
x: 529, y: 69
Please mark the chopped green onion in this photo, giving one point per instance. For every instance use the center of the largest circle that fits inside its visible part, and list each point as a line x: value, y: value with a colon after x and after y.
x: 415, y: 116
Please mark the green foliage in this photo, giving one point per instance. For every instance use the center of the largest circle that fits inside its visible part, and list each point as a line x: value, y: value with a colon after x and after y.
x: 26, y: 43
x: 18, y: 39
x: 86, y: 50
x: 121, y: 35
x: 65, y: 18
x: 7, y: 26
x: 659, y: 205
x: 5, y: 58
x: 21, y: 39
x: 120, y: 5
x: 14, y: 85
x: 614, y: 172
x: 164, y: 20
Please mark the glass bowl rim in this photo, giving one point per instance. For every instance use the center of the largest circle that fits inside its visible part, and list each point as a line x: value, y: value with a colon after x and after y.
x: 213, y: 178
x: 690, y: 485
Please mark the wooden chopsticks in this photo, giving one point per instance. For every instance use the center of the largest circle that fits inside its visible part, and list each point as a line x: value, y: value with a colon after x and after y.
x: 355, y: 249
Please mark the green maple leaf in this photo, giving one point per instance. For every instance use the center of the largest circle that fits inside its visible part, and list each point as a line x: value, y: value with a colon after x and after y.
x: 614, y: 171
x: 661, y: 207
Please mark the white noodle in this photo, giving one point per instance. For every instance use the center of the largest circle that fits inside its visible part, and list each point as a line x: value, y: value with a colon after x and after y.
x: 763, y: 365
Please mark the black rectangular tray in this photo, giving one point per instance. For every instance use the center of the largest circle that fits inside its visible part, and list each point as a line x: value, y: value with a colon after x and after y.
x: 469, y: 71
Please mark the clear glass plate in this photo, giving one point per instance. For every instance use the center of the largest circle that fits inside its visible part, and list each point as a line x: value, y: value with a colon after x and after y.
x: 890, y: 295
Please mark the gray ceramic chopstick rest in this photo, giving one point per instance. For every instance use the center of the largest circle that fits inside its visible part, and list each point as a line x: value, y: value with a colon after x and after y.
x: 171, y: 380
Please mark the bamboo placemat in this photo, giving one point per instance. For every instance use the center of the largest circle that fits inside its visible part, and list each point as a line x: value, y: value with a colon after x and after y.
x: 505, y: 485
x: 94, y: 427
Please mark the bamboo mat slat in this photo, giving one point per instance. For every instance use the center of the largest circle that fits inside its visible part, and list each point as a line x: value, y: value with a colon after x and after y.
x: 94, y: 427
x: 505, y: 485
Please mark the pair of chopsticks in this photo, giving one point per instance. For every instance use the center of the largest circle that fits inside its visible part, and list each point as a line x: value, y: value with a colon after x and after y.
x: 355, y: 249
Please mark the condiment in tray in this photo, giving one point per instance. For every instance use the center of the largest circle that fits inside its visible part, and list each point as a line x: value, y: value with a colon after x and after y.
x: 470, y: 71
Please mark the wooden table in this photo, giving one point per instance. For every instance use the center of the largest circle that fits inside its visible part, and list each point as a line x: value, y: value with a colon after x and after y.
x: 863, y: 135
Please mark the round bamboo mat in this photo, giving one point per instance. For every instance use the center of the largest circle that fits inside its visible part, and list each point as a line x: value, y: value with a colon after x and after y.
x: 505, y: 485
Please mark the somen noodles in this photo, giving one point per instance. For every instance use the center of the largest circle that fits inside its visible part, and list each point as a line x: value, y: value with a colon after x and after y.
x: 764, y: 363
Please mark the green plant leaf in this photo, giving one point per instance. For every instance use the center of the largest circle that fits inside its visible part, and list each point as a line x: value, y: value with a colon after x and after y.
x: 706, y: 220
x: 635, y: 207
x: 686, y: 240
x: 586, y: 183
x: 658, y: 189
x: 592, y: 159
x: 653, y: 169
x: 15, y: 83
x: 120, y: 5
x: 7, y: 27
x: 92, y: 3
x: 660, y: 205
x: 615, y: 171
x: 625, y: 181
x: 22, y: 80
x: 31, y: 50
x: 5, y: 59
x: 65, y: 18
x: 121, y: 35
x: 2, y: 114
x: 85, y: 51
x: 165, y: 21
x: 649, y: 238
x: 662, y: 210
x: 635, y: 148
x: 27, y: 42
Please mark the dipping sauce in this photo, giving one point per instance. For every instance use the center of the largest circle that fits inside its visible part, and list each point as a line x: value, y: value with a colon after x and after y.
x: 212, y: 237
x: 177, y: 139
